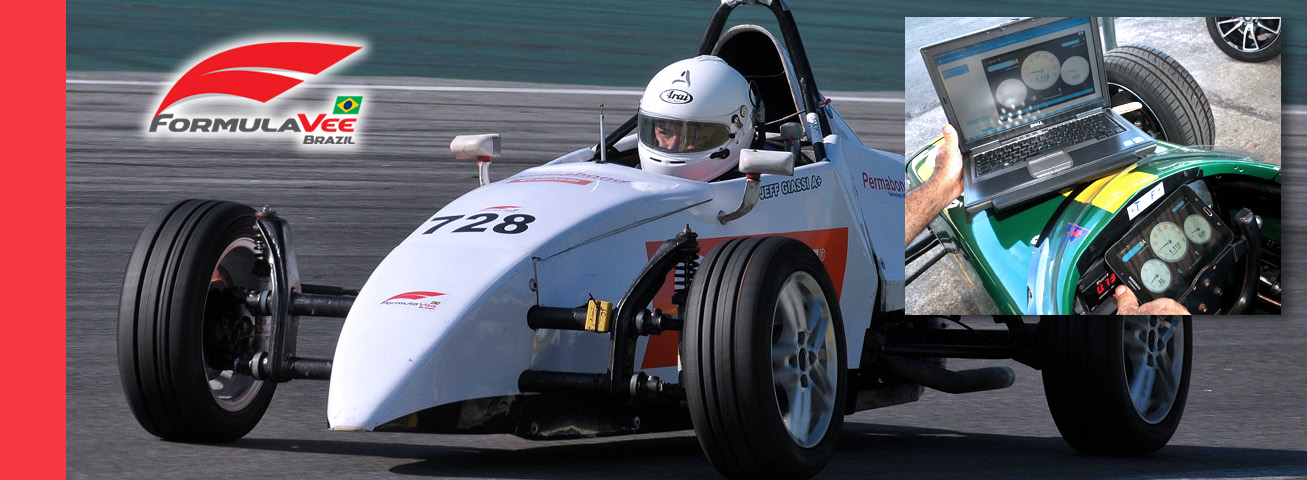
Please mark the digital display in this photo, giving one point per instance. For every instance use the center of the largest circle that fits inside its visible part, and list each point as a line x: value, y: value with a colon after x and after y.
x: 1163, y: 251
x: 1103, y: 287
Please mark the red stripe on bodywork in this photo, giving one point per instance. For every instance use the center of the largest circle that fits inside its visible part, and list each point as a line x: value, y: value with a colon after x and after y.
x: 413, y: 296
x: 661, y: 350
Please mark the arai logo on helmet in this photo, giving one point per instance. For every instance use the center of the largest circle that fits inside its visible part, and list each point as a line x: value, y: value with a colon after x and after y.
x: 676, y: 96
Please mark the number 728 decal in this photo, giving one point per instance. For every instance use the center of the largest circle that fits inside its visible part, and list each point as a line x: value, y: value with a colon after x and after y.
x: 515, y: 223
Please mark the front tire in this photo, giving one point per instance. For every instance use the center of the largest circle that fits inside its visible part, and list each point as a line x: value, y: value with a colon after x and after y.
x: 1175, y: 109
x: 182, y: 324
x: 1117, y: 385
x: 764, y: 359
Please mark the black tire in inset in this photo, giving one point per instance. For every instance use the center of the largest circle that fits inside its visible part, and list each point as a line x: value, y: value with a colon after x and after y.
x: 1117, y: 385
x: 180, y: 329
x: 1246, y: 39
x: 765, y: 394
x: 1175, y: 108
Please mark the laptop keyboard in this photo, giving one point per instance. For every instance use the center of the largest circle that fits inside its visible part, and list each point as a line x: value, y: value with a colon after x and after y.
x: 1093, y: 127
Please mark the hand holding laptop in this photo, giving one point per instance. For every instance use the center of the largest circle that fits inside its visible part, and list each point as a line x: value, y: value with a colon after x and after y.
x: 944, y: 185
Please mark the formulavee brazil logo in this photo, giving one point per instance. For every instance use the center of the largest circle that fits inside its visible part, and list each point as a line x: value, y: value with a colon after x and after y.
x: 423, y: 300
x: 248, y: 72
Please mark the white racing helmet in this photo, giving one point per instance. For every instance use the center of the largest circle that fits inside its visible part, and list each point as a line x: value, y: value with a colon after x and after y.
x: 695, y: 117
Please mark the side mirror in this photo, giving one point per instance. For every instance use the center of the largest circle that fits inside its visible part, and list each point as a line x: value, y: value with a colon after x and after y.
x: 754, y: 163
x: 792, y: 134
x: 766, y: 161
x: 481, y: 147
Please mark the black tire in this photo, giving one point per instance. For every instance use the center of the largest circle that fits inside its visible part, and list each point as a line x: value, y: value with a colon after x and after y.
x: 180, y: 330
x: 729, y: 351
x: 1258, y: 43
x: 1091, y: 364
x: 1175, y: 108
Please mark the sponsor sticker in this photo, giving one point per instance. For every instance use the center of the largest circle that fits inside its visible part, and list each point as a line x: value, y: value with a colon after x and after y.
x: 1145, y: 201
x: 1074, y: 232
x: 676, y: 96
x: 895, y: 187
x: 789, y: 186
x: 416, y: 299
x: 572, y: 178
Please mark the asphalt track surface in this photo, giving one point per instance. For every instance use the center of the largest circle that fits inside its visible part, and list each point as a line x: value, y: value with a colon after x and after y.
x: 1246, y: 416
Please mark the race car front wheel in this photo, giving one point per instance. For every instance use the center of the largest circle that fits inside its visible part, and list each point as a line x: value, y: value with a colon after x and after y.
x: 764, y: 360
x: 1117, y: 385
x: 183, y: 325
x: 1175, y: 109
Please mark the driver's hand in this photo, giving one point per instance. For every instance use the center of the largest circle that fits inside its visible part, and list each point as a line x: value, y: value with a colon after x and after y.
x: 1128, y: 304
x: 948, y: 165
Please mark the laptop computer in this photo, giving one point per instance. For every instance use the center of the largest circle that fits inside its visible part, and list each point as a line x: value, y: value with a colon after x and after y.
x: 1029, y: 101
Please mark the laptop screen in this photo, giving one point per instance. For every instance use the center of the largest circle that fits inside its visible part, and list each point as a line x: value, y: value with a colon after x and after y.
x: 1022, y: 77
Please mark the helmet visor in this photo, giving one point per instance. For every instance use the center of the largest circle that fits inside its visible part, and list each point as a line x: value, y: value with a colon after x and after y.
x: 681, y: 136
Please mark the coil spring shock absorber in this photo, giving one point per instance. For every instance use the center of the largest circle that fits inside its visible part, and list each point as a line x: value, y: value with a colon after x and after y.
x: 684, y: 272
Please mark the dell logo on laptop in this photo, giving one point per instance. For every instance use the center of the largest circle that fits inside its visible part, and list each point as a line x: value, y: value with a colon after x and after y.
x: 1036, y: 124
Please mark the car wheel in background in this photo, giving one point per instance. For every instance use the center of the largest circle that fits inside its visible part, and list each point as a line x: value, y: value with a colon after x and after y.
x: 1247, y: 39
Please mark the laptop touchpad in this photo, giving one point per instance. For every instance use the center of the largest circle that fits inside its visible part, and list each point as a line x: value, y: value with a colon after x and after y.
x: 1048, y: 163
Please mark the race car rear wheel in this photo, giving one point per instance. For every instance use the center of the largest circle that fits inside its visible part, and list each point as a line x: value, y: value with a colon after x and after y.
x: 764, y: 359
x: 1117, y: 385
x: 182, y: 323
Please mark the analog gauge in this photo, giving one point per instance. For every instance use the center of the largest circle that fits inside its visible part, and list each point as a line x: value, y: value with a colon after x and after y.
x: 1168, y: 241
x: 1075, y: 70
x: 1155, y: 275
x: 1011, y: 93
x: 1197, y: 229
x: 1040, y: 70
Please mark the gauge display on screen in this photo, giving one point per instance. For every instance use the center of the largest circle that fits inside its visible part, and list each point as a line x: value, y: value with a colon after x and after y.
x: 1040, y: 70
x: 1168, y: 241
x: 1155, y: 276
x: 1198, y: 229
x: 1075, y: 70
x: 1011, y: 93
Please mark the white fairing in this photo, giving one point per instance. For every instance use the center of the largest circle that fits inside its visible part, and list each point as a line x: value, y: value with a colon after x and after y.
x: 443, y: 318
x: 396, y: 356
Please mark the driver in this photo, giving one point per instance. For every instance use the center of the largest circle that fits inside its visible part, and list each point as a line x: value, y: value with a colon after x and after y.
x: 695, y: 117
x: 945, y: 184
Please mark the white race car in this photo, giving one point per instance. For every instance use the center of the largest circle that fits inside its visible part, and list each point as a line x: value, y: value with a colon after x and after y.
x: 575, y: 299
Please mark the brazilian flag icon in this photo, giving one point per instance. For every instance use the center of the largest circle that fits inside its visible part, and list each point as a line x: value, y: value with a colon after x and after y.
x: 347, y: 105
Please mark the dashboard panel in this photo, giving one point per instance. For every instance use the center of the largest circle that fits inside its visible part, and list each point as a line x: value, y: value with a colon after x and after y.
x: 1162, y: 253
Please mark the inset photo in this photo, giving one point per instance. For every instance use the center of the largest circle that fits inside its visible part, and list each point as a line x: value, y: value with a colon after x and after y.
x: 1092, y: 165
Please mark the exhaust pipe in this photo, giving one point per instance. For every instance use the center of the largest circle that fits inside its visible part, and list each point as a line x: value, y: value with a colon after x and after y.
x: 945, y: 380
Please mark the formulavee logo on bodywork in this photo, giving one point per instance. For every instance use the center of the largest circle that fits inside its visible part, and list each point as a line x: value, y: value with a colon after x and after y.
x: 423, y: 300
x: 676, y: 96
